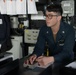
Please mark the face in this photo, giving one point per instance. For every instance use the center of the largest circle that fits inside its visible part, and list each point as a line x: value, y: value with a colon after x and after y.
x: 52, y: 19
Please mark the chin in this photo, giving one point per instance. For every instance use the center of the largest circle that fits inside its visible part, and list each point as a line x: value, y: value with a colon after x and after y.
x: 48, y: 25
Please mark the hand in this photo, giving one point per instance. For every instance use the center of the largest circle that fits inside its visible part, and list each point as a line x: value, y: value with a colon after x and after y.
x: 31, y: 59
x: 43, y: 60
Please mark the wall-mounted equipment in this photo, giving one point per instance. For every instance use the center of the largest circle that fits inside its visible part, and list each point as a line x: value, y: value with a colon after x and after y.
x: 31, y: 35
x: 37, y: 24
x: 14, y: 25
x: 14, y: 22
x: 68, y: 7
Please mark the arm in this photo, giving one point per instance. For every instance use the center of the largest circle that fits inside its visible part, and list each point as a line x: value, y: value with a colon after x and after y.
x: 39, y: 47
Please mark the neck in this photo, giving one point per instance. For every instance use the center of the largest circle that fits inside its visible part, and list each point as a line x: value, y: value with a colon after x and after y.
x: 55, y: 28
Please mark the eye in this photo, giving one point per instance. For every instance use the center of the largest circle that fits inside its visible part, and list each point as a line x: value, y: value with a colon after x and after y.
x: 50, y: 15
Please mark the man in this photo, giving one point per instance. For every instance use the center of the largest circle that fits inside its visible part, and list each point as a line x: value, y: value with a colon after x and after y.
x: 59, y: 36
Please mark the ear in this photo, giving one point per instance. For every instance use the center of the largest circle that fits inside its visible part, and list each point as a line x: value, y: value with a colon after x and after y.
x: 59, y: 18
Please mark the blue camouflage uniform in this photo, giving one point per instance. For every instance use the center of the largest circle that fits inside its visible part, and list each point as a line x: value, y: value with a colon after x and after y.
x: 62, y: 49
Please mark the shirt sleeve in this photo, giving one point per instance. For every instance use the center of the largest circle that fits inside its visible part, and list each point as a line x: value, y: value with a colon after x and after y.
x: 40, y: 45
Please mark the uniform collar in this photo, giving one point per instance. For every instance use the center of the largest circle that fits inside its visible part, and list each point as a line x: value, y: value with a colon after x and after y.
x: 61, y: 32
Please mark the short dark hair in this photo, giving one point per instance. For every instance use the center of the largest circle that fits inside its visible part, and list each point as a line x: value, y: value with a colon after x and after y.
x: 55, y: 7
